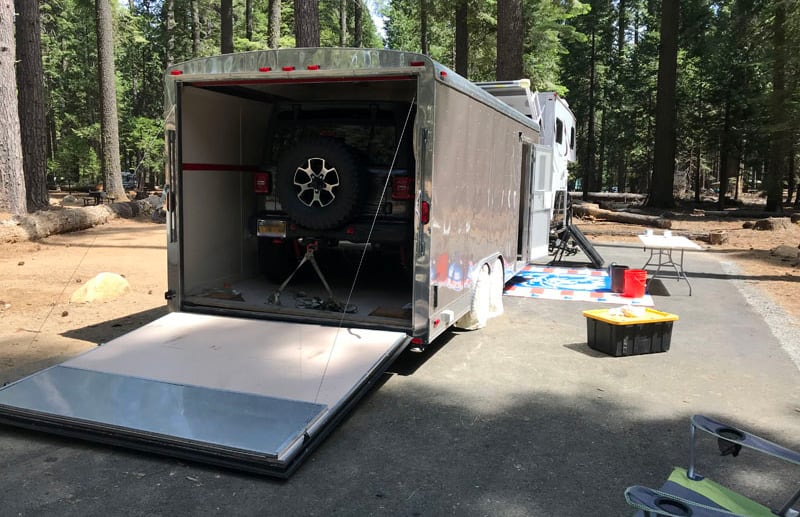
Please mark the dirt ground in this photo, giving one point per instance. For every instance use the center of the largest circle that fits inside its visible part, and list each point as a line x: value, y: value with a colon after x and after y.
x: 37, y: 279
x: 39, y: 325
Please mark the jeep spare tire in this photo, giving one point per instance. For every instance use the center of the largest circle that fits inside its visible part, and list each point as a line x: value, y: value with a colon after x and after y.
x: 318, y: 184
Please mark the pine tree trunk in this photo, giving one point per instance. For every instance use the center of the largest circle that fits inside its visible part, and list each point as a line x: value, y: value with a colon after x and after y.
x: 622, y: 24
x: 423, y: 26
x: 664, y: 148
x: 195, y: 28
x: 306, y: 23
x: 342, y: 23
x: 109, y: 126
x: 726, y: 142
x: 792, y: 178
x: 779, y: 144
x: 248, y: 21
x: 226, y: 29
x: 12, y: 181
x: 462, y: 38
x: 32, y: 108
x: 591, y: 133
x: 358, y: 33
x: 274, y: 30
x: 169, y: 11
x: 509, y: 40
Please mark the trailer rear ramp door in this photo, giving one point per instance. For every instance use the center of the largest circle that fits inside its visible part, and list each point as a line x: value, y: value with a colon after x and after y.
x: 248, y: 394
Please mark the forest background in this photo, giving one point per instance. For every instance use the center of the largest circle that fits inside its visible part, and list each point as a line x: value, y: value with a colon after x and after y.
x: 673, y: 97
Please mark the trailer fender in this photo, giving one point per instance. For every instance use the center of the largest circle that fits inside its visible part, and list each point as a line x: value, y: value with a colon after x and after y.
x: 480, y: 305
x: 497, y: 284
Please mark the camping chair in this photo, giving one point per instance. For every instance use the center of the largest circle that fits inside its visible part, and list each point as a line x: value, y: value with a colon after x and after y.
x: 688, y: 493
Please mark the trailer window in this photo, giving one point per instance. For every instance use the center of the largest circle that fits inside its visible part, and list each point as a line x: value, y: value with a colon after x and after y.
x: 572, y: 138
x: 559, y: 130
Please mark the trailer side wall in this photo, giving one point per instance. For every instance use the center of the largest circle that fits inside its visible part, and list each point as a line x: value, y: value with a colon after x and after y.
x: 475, y: 193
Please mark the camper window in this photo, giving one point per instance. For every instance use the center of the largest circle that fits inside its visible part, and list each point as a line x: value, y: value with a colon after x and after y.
x: 572, y: 138
x: 559, y: 130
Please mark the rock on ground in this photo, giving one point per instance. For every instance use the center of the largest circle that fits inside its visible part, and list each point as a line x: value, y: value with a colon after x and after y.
x: 785, y: 251
x: 103, y: 287
x: 772, y: 223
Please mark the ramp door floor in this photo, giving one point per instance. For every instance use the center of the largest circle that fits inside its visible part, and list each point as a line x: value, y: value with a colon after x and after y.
x: 259, y: 388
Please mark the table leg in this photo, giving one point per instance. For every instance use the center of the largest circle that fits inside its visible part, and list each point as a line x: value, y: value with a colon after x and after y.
x: 683, y: 274
x: 665, y: 259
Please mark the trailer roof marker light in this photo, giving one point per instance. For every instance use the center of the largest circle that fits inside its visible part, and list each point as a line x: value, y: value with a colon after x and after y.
x: 312, y: 67
x: 443, y: 74
x: 424, y: 212
x: 265, y: 69
x: 417, y: 63
x: 175, y: 72
x: 287, y: 68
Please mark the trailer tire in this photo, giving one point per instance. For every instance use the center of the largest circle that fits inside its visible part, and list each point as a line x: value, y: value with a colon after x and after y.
x: 480, y: 306
x: 318, y: 183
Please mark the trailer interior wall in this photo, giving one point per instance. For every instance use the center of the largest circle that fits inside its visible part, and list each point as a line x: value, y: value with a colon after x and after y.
x: 476, y: 181
x: 227, y: 132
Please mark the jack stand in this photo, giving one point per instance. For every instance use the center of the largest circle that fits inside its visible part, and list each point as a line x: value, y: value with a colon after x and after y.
x: 308, y: 257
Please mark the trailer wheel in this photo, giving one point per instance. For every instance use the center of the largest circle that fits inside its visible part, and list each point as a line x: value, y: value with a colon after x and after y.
x: 480, y: 307
x: 318, y: 183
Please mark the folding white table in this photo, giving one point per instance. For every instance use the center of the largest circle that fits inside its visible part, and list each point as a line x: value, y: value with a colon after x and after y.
x: 661, y: 248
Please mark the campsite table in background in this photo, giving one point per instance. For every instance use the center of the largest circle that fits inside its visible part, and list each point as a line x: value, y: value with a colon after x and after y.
x: 661, y: 248
x: 97, y: 197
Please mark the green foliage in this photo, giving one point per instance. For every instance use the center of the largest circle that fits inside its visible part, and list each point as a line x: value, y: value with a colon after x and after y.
x: 70, y: 64
x: 724, y: 64
x: 76, y: 162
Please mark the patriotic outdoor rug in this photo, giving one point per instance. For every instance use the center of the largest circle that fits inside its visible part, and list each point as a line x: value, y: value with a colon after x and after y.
x: 561, y: 283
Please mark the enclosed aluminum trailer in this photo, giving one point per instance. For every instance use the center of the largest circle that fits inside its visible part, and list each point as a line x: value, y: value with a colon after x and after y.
x: 325, y: 208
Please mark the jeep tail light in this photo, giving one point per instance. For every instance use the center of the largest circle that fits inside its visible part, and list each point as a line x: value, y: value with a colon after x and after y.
x: 261, y: 184
x: 402, y: 188
x: 424, y: 212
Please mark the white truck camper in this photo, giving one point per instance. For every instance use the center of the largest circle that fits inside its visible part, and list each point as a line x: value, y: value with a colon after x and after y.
x: 326, y: 210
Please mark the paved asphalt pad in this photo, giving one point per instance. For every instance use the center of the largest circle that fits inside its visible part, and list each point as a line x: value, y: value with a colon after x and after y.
x: 521, y: 418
